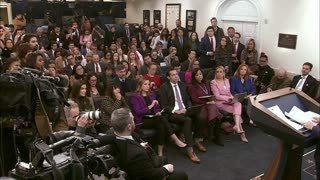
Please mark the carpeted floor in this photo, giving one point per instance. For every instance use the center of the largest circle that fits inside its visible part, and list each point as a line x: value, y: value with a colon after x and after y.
x: 236, y: 160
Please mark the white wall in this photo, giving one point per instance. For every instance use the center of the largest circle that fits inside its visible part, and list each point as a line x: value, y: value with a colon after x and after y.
x: 205, y: 11
x: 300, y: 17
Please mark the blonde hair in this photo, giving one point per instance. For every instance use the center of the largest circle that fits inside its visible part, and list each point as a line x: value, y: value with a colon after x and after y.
x: 222, y: 68
x: 139, y: 86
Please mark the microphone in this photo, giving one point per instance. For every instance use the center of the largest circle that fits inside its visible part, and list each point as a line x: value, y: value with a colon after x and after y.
x: 102, y: 140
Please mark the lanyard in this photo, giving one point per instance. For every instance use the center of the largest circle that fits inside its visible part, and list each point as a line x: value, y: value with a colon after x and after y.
x: 205, y: 90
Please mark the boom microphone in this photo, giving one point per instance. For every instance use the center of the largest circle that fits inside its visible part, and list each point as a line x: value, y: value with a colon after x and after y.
x: 102, y: 140
x: 63, y: 143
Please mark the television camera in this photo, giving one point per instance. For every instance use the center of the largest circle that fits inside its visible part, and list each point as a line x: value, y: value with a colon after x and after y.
x: 79, y: 158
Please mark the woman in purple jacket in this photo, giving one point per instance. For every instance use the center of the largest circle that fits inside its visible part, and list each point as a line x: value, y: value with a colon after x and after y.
x: 146, y: 112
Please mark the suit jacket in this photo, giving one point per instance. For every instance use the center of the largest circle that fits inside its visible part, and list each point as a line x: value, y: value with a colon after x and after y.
x: 67, y: 70
x: 167, y: 97
x: 236, y: 86
x: 204, y: 47
x: 140, y: 107
x: 239, y: 50
x: 130, y: 85
x: 309, y: 86
x: 124, y: 36
x: 316, y: 134
x: 91, y: 67
x: 50, y: 54
x: 136, y: 161
x: 182, y: 51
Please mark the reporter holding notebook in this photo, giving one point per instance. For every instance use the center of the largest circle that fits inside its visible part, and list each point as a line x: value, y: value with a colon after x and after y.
x: 198, y: 89
x: 147, y: 113
x: 243, y: 83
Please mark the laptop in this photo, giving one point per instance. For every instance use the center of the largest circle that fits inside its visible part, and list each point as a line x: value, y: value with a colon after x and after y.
x: 237, y: 98
x: 194, y: 110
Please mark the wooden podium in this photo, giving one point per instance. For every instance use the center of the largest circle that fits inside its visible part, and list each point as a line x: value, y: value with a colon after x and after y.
x: 288, y: 158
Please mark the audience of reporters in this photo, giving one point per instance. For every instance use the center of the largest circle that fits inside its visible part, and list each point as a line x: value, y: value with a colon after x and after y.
x: 96, y: 67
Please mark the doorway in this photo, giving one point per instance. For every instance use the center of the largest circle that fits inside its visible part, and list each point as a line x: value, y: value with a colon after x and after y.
x: 244, y: 16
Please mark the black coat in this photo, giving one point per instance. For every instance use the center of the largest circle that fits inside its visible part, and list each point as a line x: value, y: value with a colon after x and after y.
x: 309, y: 87
x: 136, y: 161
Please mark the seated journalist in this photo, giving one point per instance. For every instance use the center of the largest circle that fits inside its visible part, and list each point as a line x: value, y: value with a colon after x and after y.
x: 135, y: 157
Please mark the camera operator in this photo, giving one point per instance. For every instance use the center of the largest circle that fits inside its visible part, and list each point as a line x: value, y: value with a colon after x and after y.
x: 135, y: 157
x: 98, y: 35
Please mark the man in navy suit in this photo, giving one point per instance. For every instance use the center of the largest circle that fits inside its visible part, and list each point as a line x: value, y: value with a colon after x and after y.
x: 237, y: 48
x: 305, y: 82
x: 181, y: 43
x: 95, y: 66
x: 69, y: 68
x: 174, y: 100
x: 315, y: 128
x: 207, y: 48
x: 127, y: 33
x: 125, y: 84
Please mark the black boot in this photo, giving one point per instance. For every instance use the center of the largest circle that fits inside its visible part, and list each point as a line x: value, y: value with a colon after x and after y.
x: 210, y: 130
x: 217, y: 138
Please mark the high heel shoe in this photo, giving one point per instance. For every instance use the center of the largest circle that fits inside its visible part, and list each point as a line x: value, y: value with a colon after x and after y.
x: 252, y: 123
x: 243, y: 138
x: 237, y: 130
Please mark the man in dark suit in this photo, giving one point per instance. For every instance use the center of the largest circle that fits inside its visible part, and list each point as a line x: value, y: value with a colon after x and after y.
x: 207, y: 48
x: 315, y: 128
x: 111, y: 36
x: 125, y: 84
x: 237, y: 48
x: 174, y: 99
x: 231, y: 31
x: 95, y: 66
x: 178, y: 26
x: 50, y: 52
x: 127, y: 33
x: 69, y: 68
x: 181, y: 43
x: 305, y: 82
x: 191, y: 56
x: 218, y: 32
x: 134, y: 156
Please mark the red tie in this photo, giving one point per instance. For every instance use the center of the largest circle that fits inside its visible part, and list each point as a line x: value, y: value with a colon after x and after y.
x: 97, y: 68
x: 211, y: 44
x: 235, y: 49
x: 137, y: 59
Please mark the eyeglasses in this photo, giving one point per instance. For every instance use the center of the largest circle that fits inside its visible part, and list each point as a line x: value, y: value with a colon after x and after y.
x: 93, y: 80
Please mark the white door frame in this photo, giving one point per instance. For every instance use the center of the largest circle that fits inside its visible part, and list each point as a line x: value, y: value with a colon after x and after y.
x: 224, y: 3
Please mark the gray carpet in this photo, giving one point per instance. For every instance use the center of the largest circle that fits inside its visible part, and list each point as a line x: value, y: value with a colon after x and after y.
x: 236, y: 160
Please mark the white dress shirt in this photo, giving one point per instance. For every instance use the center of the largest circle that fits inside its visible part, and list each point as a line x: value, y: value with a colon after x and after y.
x: 176, y: 106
